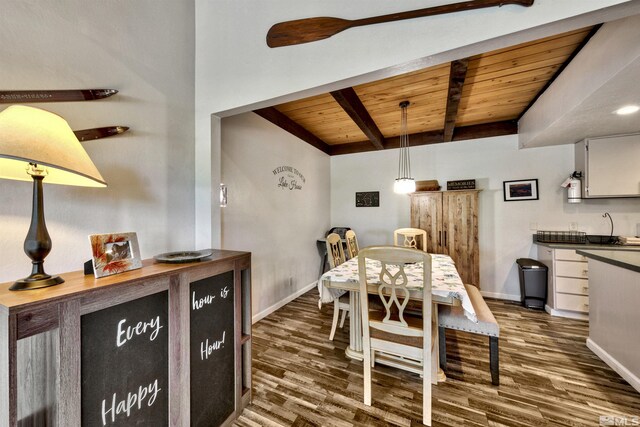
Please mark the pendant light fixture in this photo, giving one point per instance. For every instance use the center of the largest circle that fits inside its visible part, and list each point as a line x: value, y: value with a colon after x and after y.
x: 404, y: 183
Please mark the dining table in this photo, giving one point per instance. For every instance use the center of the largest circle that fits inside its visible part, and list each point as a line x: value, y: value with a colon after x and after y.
x: 447, y: 288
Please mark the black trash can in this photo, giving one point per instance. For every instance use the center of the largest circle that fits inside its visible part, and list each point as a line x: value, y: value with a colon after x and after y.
x: 533, y: 283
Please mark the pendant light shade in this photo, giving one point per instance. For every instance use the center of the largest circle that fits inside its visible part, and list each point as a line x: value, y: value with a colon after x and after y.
x: 404, y: 184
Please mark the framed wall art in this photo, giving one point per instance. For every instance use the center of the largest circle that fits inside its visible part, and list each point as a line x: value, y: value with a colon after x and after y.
x: 525, y: 189
x: 367, y: 199
x: 114, y: 253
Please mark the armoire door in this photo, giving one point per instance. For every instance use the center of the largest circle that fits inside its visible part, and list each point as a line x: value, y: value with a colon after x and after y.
x: 426, y: 214
x: 460, y: 233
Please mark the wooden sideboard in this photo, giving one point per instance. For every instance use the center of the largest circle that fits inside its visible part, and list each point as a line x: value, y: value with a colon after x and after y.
x: 101, y: 339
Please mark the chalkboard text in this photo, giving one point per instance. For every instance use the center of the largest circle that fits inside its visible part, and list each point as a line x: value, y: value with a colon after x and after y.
x: 224, y: 292
x: 133, y: 400
x: 125, y: 334
x: 197, y: 304
x: 206, y: 349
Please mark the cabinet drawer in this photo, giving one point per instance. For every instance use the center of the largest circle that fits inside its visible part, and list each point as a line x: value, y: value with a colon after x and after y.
x: 572, y: 285
x: 569, y: 255
x: 572, y: 302
x: 572, y: 269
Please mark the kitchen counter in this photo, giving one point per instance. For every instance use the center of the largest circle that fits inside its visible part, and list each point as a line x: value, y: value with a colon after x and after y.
x: 629, y: 260
x: 614, y: 293
x: 587, y: 246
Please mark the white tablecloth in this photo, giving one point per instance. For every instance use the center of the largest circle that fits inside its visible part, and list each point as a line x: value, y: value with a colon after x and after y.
x: 446, y: 281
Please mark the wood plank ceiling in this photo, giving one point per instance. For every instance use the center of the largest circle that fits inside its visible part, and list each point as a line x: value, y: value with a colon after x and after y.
x: 474, y: 97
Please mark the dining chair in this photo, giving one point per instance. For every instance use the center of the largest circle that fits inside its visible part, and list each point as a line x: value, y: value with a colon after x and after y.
x: 322, y: 246
x: 336, y: 256
x: 391, y: 330
x: 409, y: 237
x: 352, y: 244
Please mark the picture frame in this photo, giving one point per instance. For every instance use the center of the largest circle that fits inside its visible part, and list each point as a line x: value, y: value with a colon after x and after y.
x: 367, y: 199
x: 114, y: 253
x: 523, y: 189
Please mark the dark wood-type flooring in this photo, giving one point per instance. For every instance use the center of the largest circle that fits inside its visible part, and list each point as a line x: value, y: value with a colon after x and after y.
x: 548, y: 376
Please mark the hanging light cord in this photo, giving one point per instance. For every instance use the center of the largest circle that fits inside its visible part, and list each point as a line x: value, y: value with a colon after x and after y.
x: 404, y: 161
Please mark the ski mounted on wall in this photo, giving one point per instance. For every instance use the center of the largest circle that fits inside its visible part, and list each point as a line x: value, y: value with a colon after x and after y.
x: 313, y: 29
x: 97, y: 133
x: 22, y: 96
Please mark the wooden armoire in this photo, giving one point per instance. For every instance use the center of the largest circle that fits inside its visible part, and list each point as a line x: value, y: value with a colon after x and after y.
x: 450, y: 219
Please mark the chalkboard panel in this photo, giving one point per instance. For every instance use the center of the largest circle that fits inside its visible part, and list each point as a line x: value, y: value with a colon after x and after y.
x: 125, y: 364
x: 367, y: 199
x: 212, y: 350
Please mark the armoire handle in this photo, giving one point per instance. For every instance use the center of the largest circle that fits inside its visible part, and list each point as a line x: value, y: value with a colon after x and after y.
x: 445, y: 238
x: 439, y: 238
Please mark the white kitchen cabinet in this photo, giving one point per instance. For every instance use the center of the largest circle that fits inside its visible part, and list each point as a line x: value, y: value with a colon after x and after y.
x: 577, y: 269
x: 609, y: 166
x: 568, y: 282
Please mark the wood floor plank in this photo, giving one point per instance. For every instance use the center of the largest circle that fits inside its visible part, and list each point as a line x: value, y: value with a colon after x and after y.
x: 548, y: 377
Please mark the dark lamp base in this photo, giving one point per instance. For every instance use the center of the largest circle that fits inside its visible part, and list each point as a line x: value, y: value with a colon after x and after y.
x: 36, y: 281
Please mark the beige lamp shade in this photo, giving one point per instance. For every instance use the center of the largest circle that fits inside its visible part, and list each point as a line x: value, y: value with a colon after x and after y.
x: 31, y: 135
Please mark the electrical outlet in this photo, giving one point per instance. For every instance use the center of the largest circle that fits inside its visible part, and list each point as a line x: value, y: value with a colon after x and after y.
x: 573, y: 226
x: 533, y: 226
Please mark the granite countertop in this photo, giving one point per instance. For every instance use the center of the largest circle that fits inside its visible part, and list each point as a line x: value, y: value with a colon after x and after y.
x: 588, y: 246
x: 629, y: 260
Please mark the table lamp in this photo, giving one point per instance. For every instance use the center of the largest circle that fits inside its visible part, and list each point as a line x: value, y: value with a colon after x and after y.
x: 39, y: 145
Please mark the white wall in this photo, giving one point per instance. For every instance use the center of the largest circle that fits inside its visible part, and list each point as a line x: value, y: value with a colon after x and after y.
x: 279, y: 226
x: 143, y: 48
x: 504, y: 229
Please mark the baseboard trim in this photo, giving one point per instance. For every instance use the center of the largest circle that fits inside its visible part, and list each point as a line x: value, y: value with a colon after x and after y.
x: 497, y: 295
x: 267, y: 311
x: 567, y: 314
x: 632, y: 379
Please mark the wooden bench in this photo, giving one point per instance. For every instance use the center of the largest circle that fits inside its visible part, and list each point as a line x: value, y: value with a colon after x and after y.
x: 452, y: 317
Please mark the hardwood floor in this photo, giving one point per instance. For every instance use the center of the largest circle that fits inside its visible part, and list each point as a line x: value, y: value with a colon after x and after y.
x: 548, y: 376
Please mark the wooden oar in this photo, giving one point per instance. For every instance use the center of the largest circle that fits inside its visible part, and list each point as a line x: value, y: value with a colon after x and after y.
x: 65, y: 95
x: 314, y: 29
x: 97, y: 133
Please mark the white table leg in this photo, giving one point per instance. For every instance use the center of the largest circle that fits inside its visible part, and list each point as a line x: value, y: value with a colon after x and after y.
x: 354, y: 351
x: 437, y: 374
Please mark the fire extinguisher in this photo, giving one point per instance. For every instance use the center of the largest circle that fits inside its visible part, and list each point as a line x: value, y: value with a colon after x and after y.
x: 574, y: 187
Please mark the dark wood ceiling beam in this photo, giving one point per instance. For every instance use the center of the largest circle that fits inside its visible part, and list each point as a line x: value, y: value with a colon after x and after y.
x: 351, y: 104
x: 282, y: 121
x: 415, y: 139
x: 351, y: 148
x: 486, y: 130
x: 421, y: 138
x: 507, y: 127
x: 457, y: 75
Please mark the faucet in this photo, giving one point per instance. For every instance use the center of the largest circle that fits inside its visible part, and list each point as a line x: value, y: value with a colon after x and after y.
x: 606, y: 214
